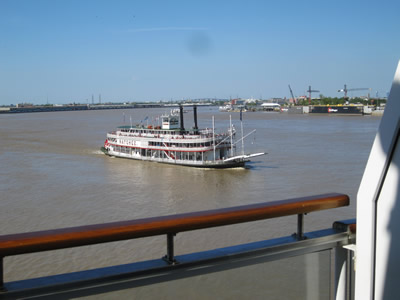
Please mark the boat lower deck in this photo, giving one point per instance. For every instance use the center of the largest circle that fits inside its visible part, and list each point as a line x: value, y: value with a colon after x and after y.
x: 217, y: 164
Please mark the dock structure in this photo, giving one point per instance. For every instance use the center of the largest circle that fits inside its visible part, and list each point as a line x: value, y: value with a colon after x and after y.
x: 51, y: 108
x: 77, y: 107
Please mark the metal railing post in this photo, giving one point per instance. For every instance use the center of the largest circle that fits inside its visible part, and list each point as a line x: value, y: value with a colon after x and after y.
x: 169, y: 258
x: 344, y: 289
x: 300, y: 227
x: 2, y: 288
x: 340, y: 273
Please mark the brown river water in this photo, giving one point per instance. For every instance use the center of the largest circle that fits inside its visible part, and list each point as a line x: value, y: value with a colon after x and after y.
x: 53, y: 175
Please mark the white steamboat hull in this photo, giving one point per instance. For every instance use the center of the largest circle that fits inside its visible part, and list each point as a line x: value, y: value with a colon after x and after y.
x: 233, y: 162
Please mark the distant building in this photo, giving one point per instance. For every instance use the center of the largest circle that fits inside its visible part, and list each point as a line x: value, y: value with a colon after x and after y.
x: 268, y: 106
x: 238, y: 101
x: 280, y: 101
x: 251, y: 101
x: 24, y: 105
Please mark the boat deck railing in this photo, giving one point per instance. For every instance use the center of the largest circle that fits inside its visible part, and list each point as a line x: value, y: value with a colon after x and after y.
x: 172, y: 266
x: 147, y: 133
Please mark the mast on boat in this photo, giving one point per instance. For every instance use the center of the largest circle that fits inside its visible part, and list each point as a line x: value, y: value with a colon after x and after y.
x: 241, y: 125
x: 213, y: 124
x: 230, y: 122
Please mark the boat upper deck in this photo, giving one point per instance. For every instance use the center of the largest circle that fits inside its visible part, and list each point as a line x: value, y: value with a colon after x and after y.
x: 158, y: 132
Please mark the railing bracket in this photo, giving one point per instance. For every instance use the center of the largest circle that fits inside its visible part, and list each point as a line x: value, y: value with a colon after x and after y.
x: 169, y: 258
x: 299, y: 235
x: 170, y: 262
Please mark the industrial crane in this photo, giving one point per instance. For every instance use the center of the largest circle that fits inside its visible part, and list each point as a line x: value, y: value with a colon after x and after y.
x: 345, y: 90
x: 309, y: 94
x: 291, y: 92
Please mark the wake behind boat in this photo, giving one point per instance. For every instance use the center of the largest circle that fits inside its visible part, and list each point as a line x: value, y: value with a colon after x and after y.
x: 171, y: 143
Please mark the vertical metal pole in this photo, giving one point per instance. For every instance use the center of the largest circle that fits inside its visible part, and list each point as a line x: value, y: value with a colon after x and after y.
x: 350, y: 274
x: 341, y: 273
x: 169, y: 258
x: 241, y: 126
x: 230, y: 123
x: 2, y: 289
x: 213, y: 124
x: 195, y: 117
x: 300, y: 226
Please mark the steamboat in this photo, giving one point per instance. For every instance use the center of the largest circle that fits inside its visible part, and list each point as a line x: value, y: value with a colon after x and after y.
x: 171, y: 143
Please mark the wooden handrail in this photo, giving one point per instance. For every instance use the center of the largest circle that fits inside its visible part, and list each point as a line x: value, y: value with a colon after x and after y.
x: 22, y: 243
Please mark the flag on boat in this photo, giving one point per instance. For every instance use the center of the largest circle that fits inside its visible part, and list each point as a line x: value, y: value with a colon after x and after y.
x: 241, y: 114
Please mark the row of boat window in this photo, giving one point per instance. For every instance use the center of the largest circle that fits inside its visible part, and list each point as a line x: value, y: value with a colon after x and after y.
x: 178, y: 133
x: 169, y: 145
x: 198, y: 156
x: 155, y: 132
x: 123, y: 149
x: 185, y: 145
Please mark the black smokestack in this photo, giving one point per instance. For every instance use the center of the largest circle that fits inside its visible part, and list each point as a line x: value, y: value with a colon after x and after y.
x: 181, y: 118
x: 195, y: 117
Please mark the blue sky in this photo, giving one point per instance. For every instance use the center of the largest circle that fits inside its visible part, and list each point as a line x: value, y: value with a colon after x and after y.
x: 67, y: 51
